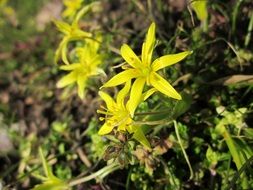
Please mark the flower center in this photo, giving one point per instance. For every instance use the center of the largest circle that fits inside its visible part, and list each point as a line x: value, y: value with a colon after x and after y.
x: 145, y: 71
x: 117, y: 117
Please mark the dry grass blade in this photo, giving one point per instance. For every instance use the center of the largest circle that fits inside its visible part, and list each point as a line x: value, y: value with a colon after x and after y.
x: 233, y: 79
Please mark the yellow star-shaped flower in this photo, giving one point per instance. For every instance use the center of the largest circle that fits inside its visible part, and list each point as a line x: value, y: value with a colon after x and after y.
x: 117, y: 115
x: 144, y: 70
x: 72, y: 32
x: 80, y: 72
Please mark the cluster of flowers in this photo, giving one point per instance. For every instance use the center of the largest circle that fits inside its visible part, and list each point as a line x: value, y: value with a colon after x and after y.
x: 143, y: 71
x: 85, y: 57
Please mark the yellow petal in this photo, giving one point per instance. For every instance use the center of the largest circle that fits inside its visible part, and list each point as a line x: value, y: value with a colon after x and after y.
x: 81, y: 85
x: 94, y: 44
x: 139, y: 136
x: 163, y: 86
x: 148, y: 93
x: 123, y: 93
x: 135, y: 95
x: 81, y: 52
x: 129, y: 56
x: 122, y: 127
x: 66, y: 80
x: 85, y: 10
x: 97, y: 60
x: 122, y: 78
x: 62, y: 51
x: 130, y: 128
x: 80, y: 34
x: 110, y: 104
x: 72, y: 7
x: 148, y: 45
x: 68, y: 13
x: 62, y: 26
x: 168, y: 60
x: 70, y: 67
x: 105, y: 129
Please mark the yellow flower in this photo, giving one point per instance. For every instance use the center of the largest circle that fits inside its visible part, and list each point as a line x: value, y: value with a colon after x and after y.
x: 72, y: 32
x: 117, y: 115
x: 89, y: 59
x: 72, y: 6
x: 145, y: 71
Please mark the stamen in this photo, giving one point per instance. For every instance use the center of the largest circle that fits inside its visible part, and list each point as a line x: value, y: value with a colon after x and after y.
x: 104, y: 112
x: 101, y: 112
x: 101, y: 118
x: 120, y: 122
x: 104, y: 108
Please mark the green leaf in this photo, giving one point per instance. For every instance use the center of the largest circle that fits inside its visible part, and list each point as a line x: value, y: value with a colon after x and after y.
x: 245, y: 149
x: 199, y: 6
x: 46, y: 167
x: 51, y: 182
x: 139, y: 136
x: 248, y: 132
x: 182, y: 106
x: 211, y: 156
x: 51, y: 185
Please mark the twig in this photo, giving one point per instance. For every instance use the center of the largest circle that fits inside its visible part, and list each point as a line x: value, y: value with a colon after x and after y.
x: 83, y: 157
x: 102, y: 172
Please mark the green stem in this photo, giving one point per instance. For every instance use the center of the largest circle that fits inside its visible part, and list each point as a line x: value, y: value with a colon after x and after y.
x: 152, y: 112
x: 98, y: 174
x: 232, y: 149
x: 159, y: 122
x: 185, y: 155
x: 235, y: 178
x: 250, y: 27
x: 205, y: 25
x: 235, y: 154
x: 234, y: 15
x: 42, y: 178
